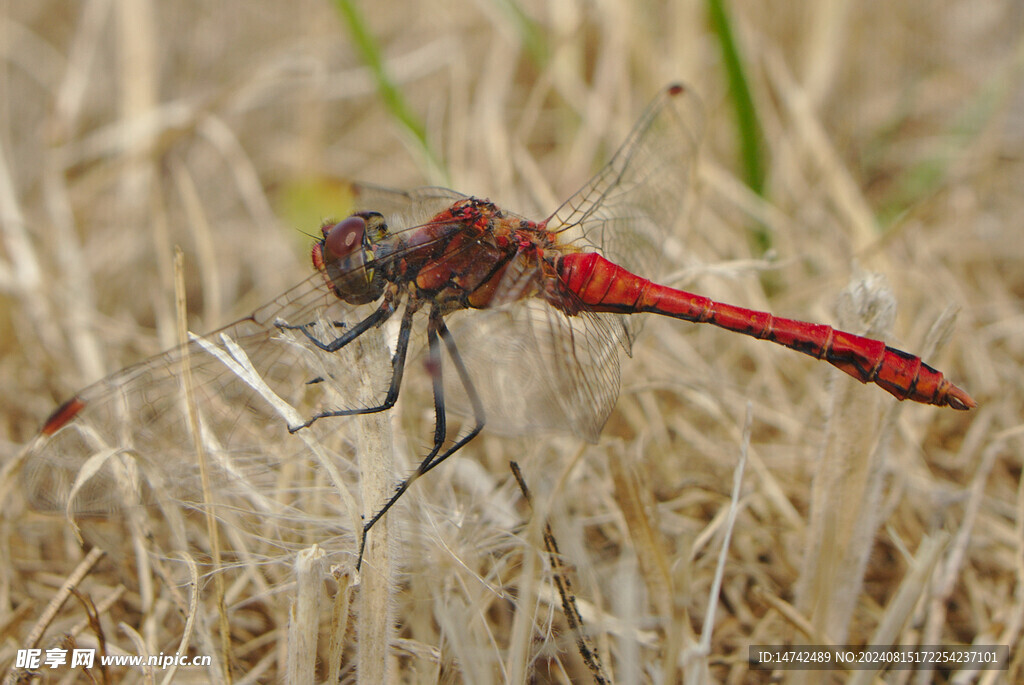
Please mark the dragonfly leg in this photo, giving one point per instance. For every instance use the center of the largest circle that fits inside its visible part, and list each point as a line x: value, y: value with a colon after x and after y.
x: 479, y: 417
x: 436, y: 328
x: 397, y: 370
x: 382, y: 314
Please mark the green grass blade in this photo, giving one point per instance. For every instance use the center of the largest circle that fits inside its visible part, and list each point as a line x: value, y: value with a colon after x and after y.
x: 747, y: 128
x: 370, y: 52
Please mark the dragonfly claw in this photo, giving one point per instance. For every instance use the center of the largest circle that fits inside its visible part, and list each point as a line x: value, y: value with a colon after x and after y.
x: 295, y: 429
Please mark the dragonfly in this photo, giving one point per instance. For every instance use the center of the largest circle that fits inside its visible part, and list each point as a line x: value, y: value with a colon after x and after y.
x: 538, y: 312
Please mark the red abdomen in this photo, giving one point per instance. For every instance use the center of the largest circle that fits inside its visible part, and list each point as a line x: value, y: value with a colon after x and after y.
x: 606, y: 287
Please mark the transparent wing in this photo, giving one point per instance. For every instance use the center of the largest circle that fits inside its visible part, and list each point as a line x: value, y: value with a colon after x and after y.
x: 128, y: 437
x: 537, y: 369
x: 630, y: 208
x: 404, y: 208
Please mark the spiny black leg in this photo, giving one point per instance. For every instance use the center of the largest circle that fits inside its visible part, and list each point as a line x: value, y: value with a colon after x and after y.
x: 397, y: 370
x: 479, y: 416
x: 434, y: 327
x: 324, y: 346
x: 382, y: 314
x: 440, y: 428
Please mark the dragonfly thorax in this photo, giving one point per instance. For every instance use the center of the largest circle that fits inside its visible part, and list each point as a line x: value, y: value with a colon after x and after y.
x: 473, y: 251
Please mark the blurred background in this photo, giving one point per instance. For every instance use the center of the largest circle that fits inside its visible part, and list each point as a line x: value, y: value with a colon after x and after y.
x: 860, y: 166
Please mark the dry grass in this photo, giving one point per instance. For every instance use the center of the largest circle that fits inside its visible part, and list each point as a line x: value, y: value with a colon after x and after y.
x: 893, y: 135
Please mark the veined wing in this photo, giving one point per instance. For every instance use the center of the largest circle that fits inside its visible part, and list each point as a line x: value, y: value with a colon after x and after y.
x: 537, y: 369
x: 128, y: 436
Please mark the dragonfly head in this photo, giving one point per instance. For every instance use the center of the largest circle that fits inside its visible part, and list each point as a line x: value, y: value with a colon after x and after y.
x: 345, y: 257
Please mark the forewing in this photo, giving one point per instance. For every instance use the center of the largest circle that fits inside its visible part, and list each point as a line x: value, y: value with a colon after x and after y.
x: 131, y: 439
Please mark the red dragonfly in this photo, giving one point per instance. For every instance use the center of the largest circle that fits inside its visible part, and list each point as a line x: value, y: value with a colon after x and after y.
x: 548, y: 303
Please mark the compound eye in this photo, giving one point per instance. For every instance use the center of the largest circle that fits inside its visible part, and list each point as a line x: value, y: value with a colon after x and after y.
x: 344, y: 237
